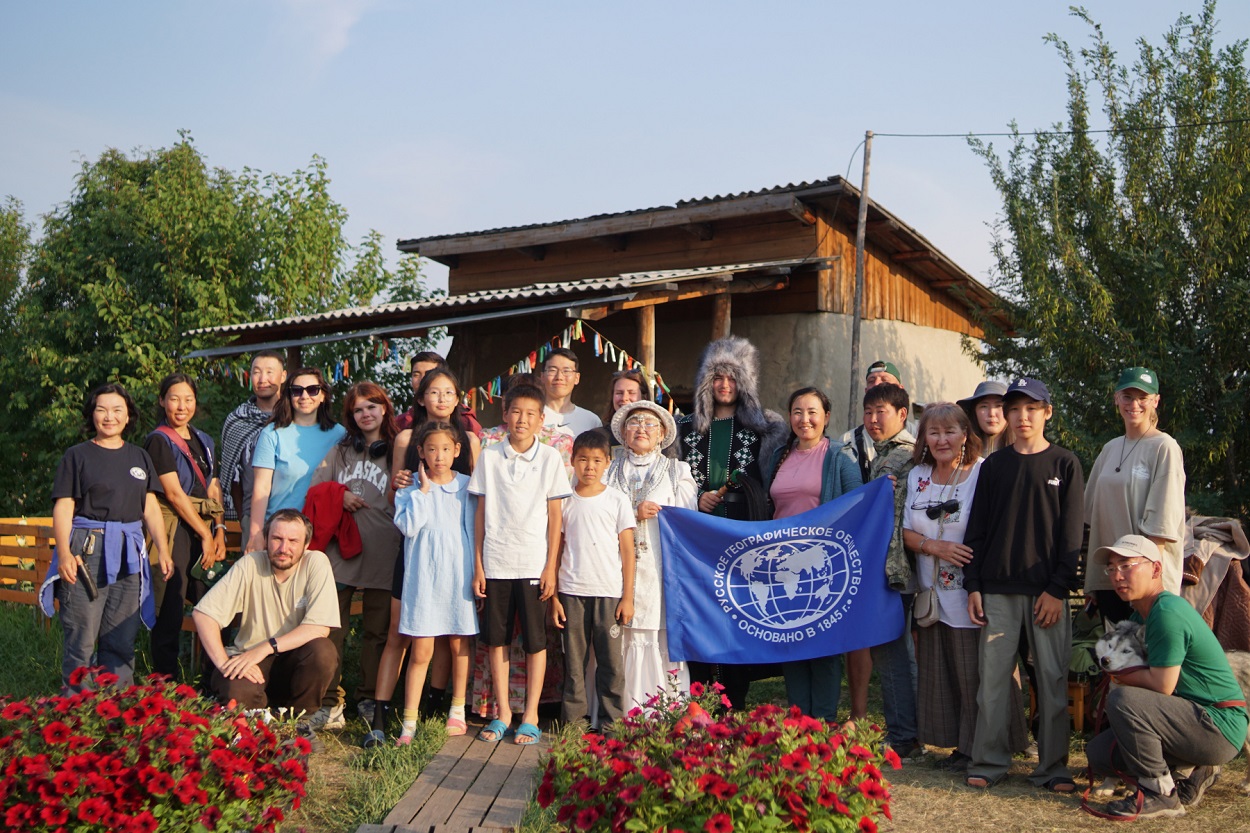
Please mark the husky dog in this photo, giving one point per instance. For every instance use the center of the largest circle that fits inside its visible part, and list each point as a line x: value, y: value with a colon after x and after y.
x: 1123, y: 647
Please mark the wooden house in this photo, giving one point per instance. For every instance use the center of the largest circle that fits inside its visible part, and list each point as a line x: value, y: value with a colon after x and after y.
x: 776, y: 266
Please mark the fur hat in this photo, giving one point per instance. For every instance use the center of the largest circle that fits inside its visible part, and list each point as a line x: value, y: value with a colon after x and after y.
x: 736, y: 357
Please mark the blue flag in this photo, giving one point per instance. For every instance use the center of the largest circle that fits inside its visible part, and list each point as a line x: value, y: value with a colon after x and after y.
x: 807, y: 586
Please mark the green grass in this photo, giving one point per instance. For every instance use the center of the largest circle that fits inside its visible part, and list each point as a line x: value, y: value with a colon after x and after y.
x: 30, y: 652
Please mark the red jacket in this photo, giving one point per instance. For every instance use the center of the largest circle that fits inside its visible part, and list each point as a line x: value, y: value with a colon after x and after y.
x: 324, y: 507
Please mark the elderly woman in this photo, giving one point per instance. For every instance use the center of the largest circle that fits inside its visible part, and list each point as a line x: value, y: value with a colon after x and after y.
x: 1136, y: 487
x: 651, y: 482
x: 939, y: 493
x: 804, y: 473
x: 103, y: 497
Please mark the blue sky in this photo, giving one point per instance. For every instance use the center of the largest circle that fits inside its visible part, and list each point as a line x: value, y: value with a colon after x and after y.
x: 440, y: 117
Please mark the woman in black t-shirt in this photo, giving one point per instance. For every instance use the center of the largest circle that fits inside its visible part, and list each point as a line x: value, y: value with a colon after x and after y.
x: 103, y: 496
x: 192, y: 511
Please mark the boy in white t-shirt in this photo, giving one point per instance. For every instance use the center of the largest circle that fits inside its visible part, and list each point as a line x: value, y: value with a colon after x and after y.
x: 595, y: 582
x: 522, y: 484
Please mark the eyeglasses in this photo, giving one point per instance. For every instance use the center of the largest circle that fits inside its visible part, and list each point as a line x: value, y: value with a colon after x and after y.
x: 642, y: 424
x: 313, y: 391
x: 935, y: 510
x: 1123, y: 568
x: 565, y: 372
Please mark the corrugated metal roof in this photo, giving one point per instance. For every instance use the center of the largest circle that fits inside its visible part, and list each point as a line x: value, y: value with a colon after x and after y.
x: 488, y: 297
x: 775, y: 189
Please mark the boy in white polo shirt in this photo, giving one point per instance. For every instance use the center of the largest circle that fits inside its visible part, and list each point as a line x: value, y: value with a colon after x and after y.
x: 596, y: 582
x: 522, y: 484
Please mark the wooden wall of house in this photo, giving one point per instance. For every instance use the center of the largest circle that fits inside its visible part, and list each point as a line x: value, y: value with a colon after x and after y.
x: 744, y: 240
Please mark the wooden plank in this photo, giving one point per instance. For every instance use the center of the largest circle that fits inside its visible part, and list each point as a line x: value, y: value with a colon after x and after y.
x: 435, y: 772
x: 23, y: 597
x: 722, y: 316
x: 478, y: 798
x: 515, y: 793
x: 646, y: 338
x: 452, y: 789
x: 376, y: 828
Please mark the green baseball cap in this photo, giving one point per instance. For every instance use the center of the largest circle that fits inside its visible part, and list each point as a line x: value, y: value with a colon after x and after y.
x: 879, y: 366
x: 1138, y: 377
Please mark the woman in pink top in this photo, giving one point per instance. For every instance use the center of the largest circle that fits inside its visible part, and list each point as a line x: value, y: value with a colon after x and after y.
x: 804, y: 473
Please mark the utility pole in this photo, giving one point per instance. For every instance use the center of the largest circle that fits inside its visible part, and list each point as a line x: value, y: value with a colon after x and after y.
x: 854, y: 415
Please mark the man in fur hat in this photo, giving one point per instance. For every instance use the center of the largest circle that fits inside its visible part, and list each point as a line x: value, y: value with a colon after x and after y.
x: 729, y: 431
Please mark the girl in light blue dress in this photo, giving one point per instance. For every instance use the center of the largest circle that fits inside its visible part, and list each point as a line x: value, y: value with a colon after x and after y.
x: 436, y: 515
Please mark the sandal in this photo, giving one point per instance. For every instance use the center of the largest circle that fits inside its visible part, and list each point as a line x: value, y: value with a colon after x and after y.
x: 984, y: 782
x: 1060, y: 784
x: 527, y: 735
x: 497, y: 731
x: 456, y: 727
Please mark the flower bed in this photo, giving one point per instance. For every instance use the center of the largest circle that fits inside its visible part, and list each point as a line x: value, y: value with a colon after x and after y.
x: 155, y: 755
x: 677, y: 768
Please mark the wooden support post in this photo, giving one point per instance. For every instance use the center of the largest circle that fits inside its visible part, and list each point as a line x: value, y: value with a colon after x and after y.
x: 853, y: 405
x: 721, y: 315
x: 294, y: 359
x: 646, y: 339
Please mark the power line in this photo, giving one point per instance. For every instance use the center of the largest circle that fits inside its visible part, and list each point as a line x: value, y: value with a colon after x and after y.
x: 1063, y: 132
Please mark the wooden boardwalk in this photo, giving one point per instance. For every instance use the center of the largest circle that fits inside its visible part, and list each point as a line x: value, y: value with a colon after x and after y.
x: 468, y: 786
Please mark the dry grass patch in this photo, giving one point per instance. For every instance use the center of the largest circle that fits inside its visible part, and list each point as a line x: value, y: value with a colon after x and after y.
x: 925, y: 799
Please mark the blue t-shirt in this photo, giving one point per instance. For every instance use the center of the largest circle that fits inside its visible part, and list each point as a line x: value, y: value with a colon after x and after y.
x: 292, y: 452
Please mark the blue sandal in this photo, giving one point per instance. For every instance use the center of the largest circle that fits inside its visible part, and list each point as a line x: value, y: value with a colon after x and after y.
x: 496, y: 727
x: 531, y: 734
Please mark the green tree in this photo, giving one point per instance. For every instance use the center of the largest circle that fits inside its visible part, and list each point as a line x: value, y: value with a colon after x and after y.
x: 1133, y: 248
x: 150, y: 247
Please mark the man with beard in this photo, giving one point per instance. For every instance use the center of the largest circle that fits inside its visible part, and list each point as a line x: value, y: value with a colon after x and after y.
x: 286, y: 600
x: 730, y: 432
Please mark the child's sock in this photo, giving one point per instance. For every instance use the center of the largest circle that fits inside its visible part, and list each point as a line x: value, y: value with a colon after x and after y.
x: 457, y: 709
x: 409, y: 722
x: 381, y: 713
x: 434, y: 699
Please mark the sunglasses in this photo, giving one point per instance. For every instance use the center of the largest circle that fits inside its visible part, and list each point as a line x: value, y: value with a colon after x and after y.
x: 313, y: 391
x: 935, y: 510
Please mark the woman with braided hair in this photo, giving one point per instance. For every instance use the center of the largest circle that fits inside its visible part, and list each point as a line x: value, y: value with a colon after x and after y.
x: 802, y: 474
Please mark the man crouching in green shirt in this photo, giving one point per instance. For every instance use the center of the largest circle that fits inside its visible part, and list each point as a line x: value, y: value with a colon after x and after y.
x: 1184, y: 709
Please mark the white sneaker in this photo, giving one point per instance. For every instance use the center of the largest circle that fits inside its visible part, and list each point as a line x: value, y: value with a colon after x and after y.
x: 324, y: 718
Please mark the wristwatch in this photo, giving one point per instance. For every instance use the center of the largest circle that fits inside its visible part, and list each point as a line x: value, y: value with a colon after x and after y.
x: 273, y: 643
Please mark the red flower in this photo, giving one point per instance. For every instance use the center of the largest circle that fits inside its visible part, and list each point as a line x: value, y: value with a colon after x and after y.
x: 565, y: 813
x: 873, y: 790
x: 586, y: 789
x: 187, y: 787
x: 891, y: 758
x: 93, y: 810
x: 105, y: 679
x: 210, y: 817
x: 724, y: 790
x: 867, y: 825
x: 546, y: 792
x: 54, y: 815
x: 706, y: 781
x: 273, y: 814
x: 133, y: 716
x: 56, y: 733
x: 795, y: 762
x: 75, y: 676
x: 161, y: 783
x: 696, y: 689
x: 238, y: 787
x: 726, y: 702
x: 631, y: 793
x: 16, y: 711
x: 826, y: 798
x: 719, y: 823
x: 885, y: 809
x: 620, y: 767
x: 65, y: 782
x: 858, y: 751
x: 587, y: 817
x: 656, y: 776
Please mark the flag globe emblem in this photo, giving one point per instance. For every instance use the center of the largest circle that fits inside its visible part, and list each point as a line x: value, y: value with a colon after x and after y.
x: 789, y: 584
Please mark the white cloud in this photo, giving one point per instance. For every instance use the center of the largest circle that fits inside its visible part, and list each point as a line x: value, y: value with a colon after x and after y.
x: 327, y: 23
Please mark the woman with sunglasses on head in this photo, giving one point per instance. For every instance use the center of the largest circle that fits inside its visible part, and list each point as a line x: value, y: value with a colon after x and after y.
x: 355, y: 476
x: 939, y: 493
x: 300, y: 436
x: 191, y: 505
x: 985, y: 412
x: 1136, y: 487
x: 810, y: 469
